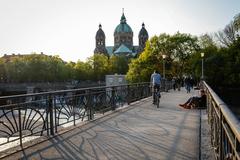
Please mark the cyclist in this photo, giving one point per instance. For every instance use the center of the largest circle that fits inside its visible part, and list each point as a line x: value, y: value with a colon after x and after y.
x: 155, y: 81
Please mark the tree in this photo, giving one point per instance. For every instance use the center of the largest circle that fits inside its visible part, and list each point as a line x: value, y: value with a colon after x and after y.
x: 184, y: 45
x: 207, y: 46
x: 84, y: 71
x: 178, y: 49
x: 230, y: 33
x: 232, y: 64
x: 100, y: 66
x: 236, y: 23
x: 38, y: 68
x: 206, y: 40
x: 2, y: 70
x: 118, y: 64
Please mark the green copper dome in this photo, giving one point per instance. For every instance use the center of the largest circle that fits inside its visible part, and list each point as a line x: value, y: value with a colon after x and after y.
x: 123, y: 26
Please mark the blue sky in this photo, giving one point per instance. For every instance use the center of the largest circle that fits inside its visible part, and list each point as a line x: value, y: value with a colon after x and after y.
x: 67, y: 27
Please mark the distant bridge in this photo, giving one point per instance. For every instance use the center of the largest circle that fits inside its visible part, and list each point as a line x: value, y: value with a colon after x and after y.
x: 44, y: 86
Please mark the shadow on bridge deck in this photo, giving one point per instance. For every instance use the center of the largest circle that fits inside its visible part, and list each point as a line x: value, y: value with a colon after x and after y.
x: 139, y: 131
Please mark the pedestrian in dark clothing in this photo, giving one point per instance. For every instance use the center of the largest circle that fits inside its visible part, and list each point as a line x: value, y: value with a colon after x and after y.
x: 187, y: 84
x: 195, y: 102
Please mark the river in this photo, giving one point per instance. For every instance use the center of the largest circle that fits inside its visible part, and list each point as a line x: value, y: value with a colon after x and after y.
x: 231, y: 97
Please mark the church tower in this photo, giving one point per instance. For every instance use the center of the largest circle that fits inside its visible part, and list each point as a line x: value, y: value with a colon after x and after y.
x: 100, y: 42
x: 142, y: 37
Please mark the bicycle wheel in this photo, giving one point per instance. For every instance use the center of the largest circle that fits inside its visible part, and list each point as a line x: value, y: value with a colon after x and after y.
x: 157, y: 101
x: 154, y: 97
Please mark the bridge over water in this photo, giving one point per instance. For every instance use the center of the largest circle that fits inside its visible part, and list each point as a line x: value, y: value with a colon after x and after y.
x: 135, y: 131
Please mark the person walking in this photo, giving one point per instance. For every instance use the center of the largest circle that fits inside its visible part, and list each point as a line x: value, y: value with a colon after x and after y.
x: 187, y: 84
x: 174, y: 83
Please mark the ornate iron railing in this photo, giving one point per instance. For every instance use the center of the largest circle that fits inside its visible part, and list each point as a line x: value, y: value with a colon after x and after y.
x: 224, y: 127
x: 31, y: 115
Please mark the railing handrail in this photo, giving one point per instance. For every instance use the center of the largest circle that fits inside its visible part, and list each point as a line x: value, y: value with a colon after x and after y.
x: 68, y: 90
x: 231, y: 119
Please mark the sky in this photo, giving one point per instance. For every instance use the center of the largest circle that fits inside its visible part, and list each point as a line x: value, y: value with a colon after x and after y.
x: 68, y: 27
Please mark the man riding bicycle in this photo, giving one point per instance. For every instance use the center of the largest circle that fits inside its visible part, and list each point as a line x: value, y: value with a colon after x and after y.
x: 155, y: 81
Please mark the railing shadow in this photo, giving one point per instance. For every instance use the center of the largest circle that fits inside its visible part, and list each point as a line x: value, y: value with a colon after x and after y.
x: 143, y: 135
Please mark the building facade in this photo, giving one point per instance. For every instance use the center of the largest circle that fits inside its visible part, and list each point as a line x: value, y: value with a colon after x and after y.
x: 123, y: 40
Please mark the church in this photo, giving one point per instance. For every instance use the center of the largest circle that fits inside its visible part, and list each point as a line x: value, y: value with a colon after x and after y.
x: 123, y: 40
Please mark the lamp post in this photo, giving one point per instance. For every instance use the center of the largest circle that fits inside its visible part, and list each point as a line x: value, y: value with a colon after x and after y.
x: 202, y: 55
x: 164, y: 56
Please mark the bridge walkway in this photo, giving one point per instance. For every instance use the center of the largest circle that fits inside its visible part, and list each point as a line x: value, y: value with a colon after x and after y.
x: 138, y: 132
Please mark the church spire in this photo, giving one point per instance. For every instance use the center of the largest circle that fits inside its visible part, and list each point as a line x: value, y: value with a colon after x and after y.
x: 123, y: 18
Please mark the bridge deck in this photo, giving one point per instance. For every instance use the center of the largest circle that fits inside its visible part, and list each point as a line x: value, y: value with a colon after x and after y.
x: 139, y: 131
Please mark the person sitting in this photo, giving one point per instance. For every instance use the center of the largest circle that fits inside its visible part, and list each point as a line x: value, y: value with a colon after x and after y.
x: 195, y: 102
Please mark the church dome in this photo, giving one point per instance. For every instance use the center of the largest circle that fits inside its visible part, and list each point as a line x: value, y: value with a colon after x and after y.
x: 123, y: 26
x: 143, y: 31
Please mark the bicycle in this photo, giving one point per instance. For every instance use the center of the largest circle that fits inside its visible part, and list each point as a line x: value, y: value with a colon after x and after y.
x: 156, y: 97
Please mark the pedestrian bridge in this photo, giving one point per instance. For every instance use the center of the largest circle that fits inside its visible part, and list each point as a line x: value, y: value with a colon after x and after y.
x: 127, y: 127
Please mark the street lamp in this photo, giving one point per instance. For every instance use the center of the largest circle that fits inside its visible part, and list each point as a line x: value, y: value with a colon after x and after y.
x: 164, y: 56
x: 202, y: 55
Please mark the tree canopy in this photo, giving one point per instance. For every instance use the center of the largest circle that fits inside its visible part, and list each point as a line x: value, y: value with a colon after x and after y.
x: 43, y: 68
x: 177, y: 48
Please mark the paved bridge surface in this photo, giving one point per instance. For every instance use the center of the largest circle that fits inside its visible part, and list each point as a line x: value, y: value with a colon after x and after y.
x: 138, y: 132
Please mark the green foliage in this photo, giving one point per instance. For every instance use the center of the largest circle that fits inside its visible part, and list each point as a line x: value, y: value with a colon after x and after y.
x: 84, y: 71
x: 100, y: 65
x: 232, y: 64
x: 194, y: 64
x: 177, y: 48
x: 2, y: 70
x: 118, y: 64
x: 43, y: 68
x: 221, y: 65
x: 36, y: 68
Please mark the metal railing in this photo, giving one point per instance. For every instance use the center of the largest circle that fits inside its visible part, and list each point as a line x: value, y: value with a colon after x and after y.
x: 44, y: 114
x: 224, y: 127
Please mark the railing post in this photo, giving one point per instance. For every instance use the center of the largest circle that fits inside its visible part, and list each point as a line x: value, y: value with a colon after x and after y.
x: 55, y: 113
x: 149, y: 90
x: 50, y: 111
x: 141, y: 94
x: 74, y: 100
x: 113, y: 98
x: 137, y: 91
x: 128, y: 94
x: 89, y: 105
x: 141, y: 91
x: 20, y: 126
x: 221, y: 136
